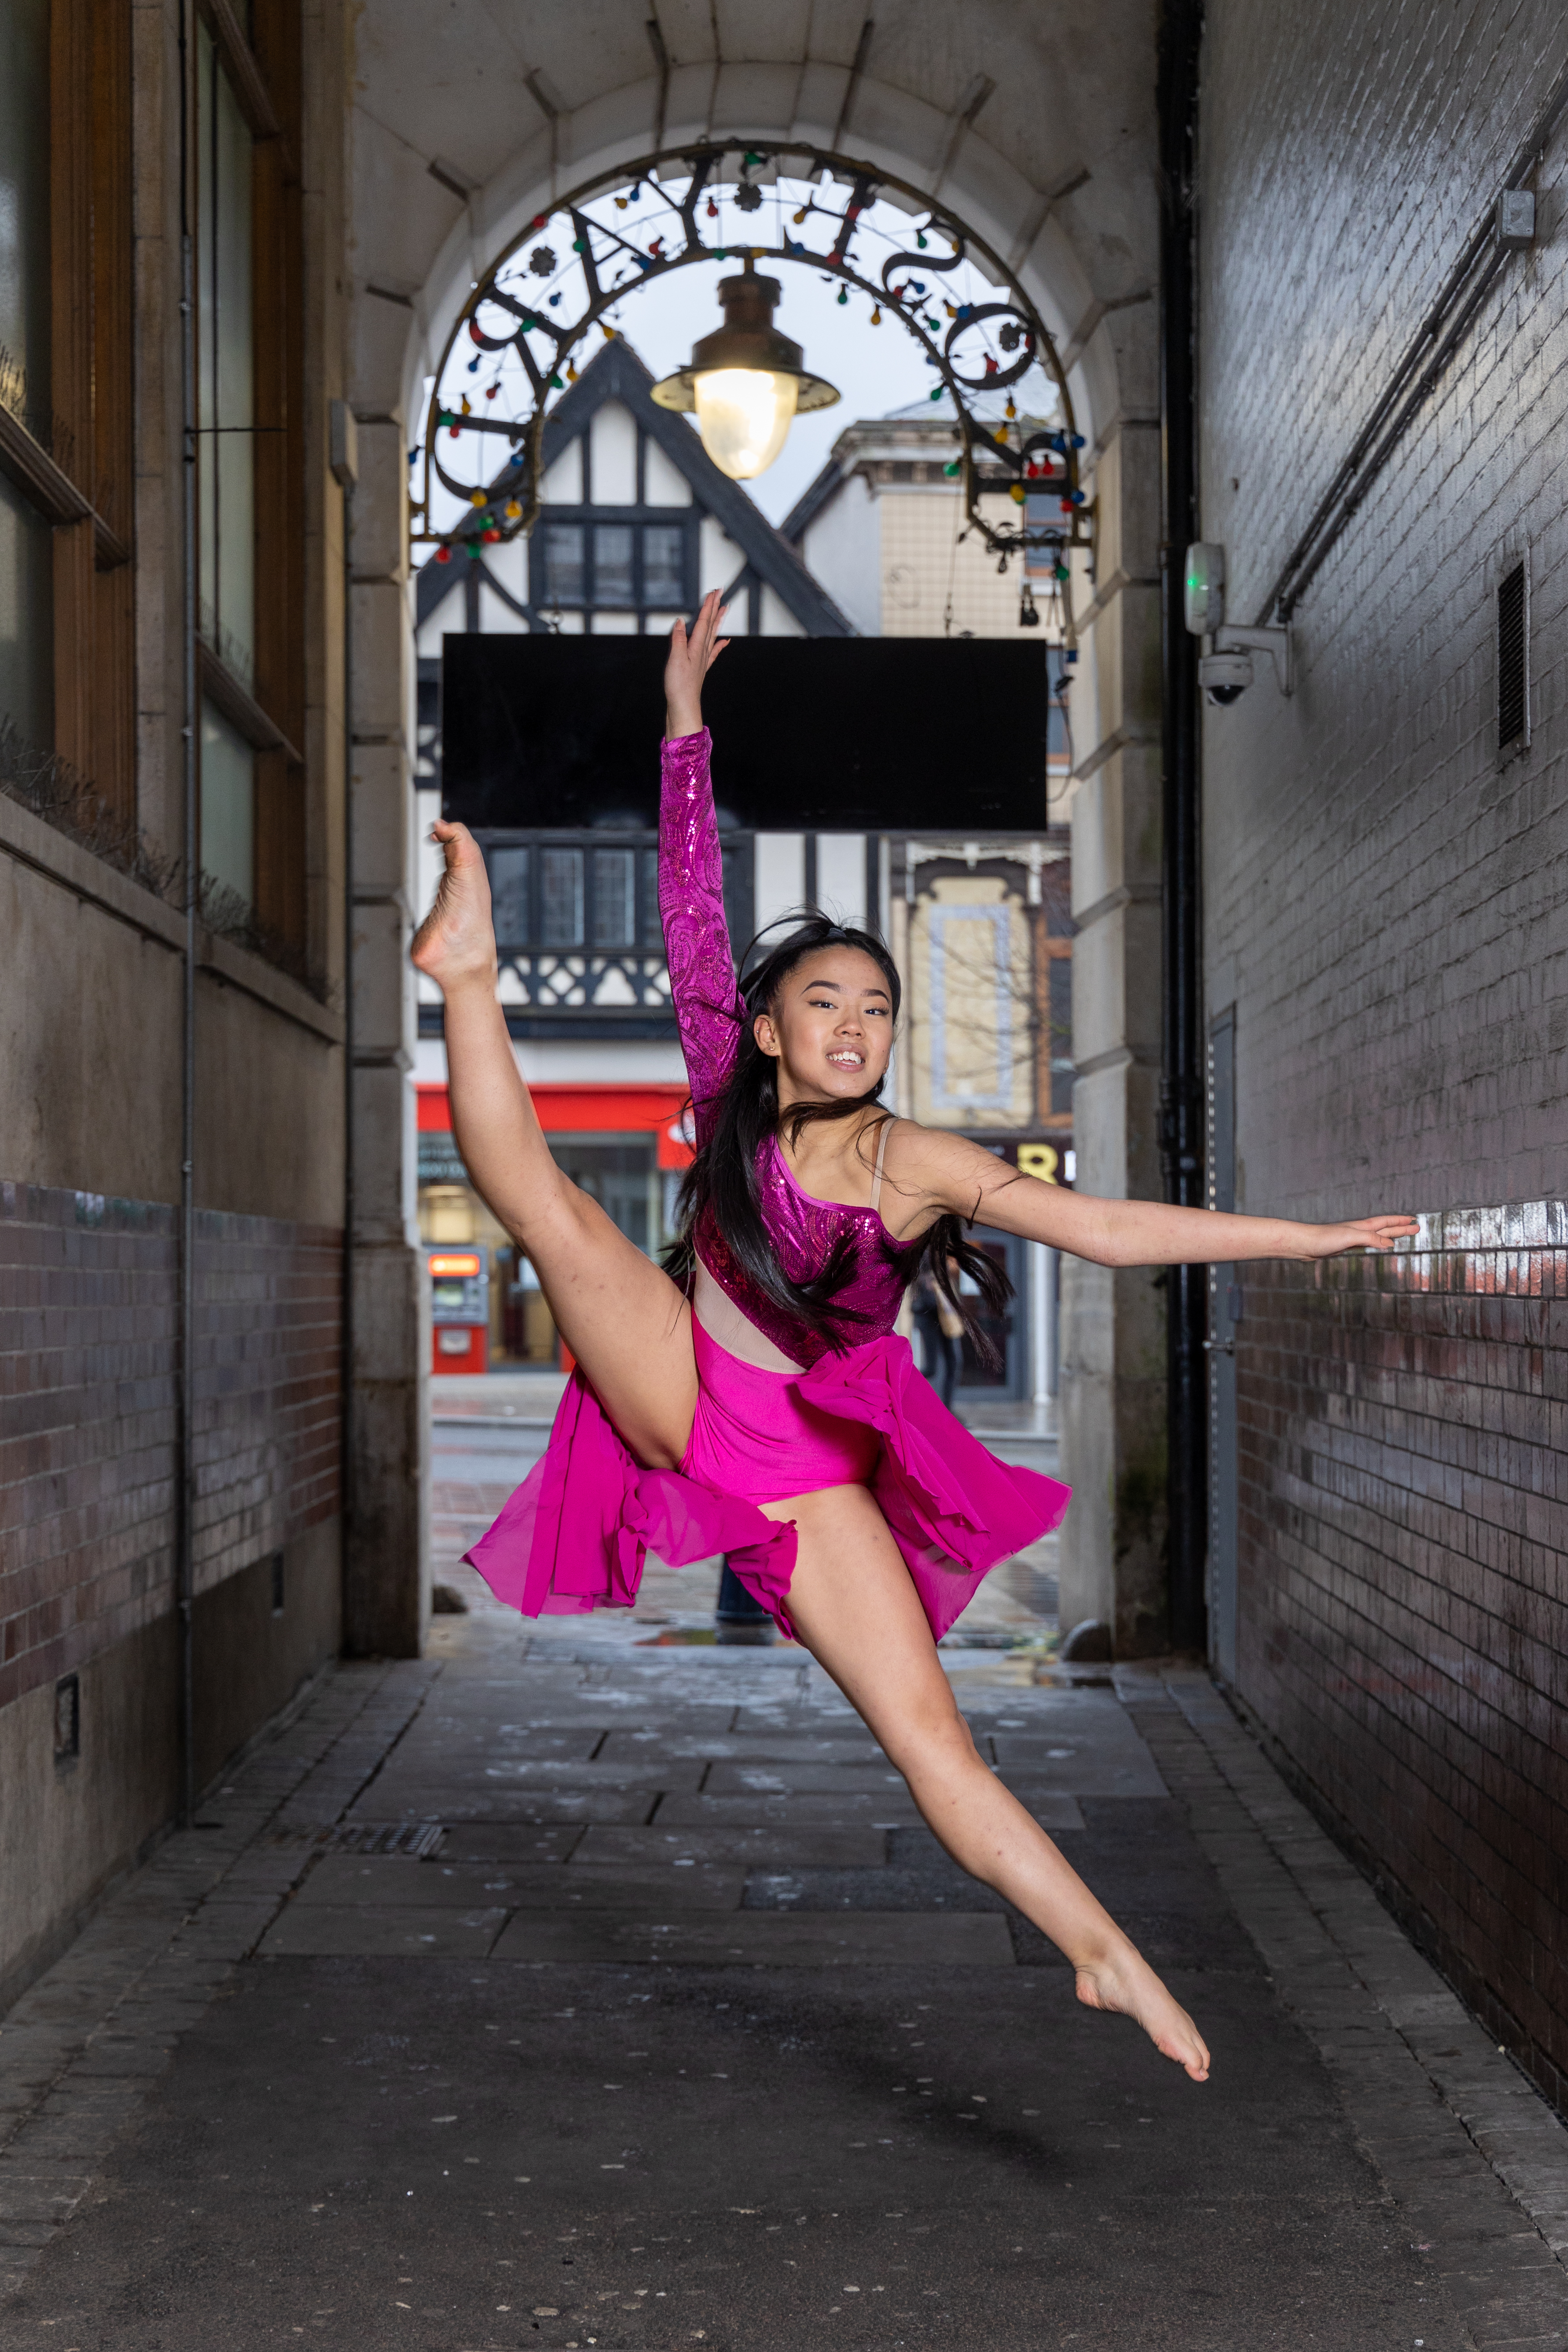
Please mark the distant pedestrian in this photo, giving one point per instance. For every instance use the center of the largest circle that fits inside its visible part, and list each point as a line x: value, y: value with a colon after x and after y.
x: 762, y: 1407
x: 941, y: 1326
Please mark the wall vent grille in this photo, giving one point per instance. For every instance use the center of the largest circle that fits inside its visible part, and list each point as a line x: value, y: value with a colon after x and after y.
x: 1511, y: 682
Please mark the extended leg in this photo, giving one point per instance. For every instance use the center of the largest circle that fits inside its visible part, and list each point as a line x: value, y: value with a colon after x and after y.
x: 852, y: 1606
x: 621, y: 1316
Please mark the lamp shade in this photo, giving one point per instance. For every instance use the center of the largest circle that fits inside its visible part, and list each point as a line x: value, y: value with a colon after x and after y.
x: 746, y: 381
x: 743, y: 414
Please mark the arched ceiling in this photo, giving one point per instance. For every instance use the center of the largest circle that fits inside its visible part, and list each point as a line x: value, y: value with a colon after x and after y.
x: 1032, y: 121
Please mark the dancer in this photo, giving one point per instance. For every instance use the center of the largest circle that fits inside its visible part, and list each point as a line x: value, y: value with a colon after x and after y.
x: 759, y: 1406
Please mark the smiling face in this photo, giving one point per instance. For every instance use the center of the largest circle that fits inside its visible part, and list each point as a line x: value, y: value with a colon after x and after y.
x: 830, y: 1026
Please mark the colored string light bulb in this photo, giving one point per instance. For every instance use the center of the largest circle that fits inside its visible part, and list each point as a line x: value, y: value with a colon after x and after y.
x: 513, y: 511
x: 799, y: 216
x: 876, y: 315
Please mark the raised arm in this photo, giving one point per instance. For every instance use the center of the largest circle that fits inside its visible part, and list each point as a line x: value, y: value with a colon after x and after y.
x: 932, y: 1172
x: 708, y: 1008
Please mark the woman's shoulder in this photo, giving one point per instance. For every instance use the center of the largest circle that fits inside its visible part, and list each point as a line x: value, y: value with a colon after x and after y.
x: 933, y: 1170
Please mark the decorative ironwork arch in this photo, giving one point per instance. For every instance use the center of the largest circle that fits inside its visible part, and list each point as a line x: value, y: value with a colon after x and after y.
x: 1003, y: 339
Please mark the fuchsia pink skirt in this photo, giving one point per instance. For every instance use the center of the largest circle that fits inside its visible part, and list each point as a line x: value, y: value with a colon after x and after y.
x: 574, y: 1535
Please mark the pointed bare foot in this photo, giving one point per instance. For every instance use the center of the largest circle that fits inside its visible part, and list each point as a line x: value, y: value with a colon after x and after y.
x: 456, y: 942
x: 1124, y: 1982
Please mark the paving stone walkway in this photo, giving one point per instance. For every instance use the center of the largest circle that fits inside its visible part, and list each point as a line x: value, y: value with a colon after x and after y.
x: 575, y: 1987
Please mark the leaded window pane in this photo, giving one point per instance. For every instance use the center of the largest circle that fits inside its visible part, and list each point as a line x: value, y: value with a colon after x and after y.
x: 652, y: 929
x: 615, y: 900
x: 664, y: 564
x: 509, y: 896
x: 225, y: 365
x: 561, y: 897
x: 613, y: 563
x: 561, y: 551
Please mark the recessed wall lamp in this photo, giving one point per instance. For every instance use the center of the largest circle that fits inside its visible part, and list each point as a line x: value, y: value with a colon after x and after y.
x: 1226, y: 671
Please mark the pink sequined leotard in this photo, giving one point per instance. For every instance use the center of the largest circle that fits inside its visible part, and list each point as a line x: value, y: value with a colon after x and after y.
x: 779, y: 1412
x: 709, y: 1010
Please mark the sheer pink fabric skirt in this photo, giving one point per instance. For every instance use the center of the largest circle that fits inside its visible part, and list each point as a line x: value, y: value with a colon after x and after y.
x: 574, y: 1535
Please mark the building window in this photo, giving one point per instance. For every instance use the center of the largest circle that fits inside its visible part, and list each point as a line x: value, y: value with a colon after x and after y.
x: 26, y: 601
x: 509, y: 896
x: 664, y: 565
x: 251, y: 550
x: 1512, y: 662
x: 66, y: 384
x: 561, y: 897
x: 588, y: 893
x: 562, y: 573
x: 614, y: 898
x: 616, y: 567
x: 26, y: 618
x: 227, y: 807
x: 226, y: 365
x: 613, y: 581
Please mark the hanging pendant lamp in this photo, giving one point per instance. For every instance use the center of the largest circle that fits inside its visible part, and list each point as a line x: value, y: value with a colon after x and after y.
x: 746, y: 381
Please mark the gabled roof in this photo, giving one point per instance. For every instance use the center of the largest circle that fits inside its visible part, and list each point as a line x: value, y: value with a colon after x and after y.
x: 615, y: 373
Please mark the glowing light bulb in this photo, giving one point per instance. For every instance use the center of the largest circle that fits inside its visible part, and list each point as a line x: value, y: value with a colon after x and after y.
x: 743, y: 414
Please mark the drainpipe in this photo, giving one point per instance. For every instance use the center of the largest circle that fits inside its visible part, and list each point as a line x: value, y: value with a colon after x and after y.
x: 185, y: 1540
x: 343, y: 452
x: 1181, y: 1075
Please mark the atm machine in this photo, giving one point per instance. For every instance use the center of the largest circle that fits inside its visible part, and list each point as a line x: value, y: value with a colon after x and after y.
x: 460, y: 1310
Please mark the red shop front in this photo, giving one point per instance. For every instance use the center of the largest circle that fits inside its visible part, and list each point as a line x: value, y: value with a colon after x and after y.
x: 624, y: 1145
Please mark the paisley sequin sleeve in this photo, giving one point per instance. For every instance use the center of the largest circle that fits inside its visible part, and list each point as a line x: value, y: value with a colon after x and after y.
x: 696, y: 936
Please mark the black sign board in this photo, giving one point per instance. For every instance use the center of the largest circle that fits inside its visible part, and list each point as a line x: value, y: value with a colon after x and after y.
x: 831, y: 734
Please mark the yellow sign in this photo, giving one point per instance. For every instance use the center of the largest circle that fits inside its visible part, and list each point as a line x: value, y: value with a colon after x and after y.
x: 466, y: 1264
x: 1041, y: 1159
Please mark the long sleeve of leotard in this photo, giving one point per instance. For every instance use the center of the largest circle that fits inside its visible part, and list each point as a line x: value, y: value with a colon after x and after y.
x: 707, y: 1007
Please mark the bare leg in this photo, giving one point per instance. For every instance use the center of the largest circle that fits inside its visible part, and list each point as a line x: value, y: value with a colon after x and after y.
x: 854, y: 1607
x: 621, y: 1316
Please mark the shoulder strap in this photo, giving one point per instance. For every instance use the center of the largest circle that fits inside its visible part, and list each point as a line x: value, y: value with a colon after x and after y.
x: 887, y: 1126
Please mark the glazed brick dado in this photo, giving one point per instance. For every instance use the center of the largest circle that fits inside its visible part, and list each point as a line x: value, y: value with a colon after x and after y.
x: 1403, y: 1428
x: 88, y: 1399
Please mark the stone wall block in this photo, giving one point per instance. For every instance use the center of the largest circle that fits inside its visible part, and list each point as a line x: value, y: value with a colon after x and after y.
x: 380, y: 543
x: 381, y: 826
x: 381, y: 661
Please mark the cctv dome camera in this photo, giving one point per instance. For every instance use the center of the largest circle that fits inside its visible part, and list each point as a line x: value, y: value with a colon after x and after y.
x: 1225, y: 676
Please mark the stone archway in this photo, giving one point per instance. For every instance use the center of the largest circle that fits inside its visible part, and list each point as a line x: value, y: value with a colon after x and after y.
x: 1047, y: 153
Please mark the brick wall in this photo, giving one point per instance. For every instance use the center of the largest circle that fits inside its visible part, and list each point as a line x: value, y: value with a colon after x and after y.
x: 1385, y: 911
x: 88, y: 1388
x: 1403, y: 1632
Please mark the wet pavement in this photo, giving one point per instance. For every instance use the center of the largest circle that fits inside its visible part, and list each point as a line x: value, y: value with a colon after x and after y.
x: 581, y: 1987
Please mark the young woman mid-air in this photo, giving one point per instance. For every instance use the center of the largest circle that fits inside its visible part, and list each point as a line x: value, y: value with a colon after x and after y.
x: 760, y: 1407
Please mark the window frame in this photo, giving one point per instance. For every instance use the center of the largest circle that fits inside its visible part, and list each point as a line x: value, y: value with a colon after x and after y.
x: 736, y: 849
x: 267, y: 709
x: 587, y: 517
x: 75, y: 466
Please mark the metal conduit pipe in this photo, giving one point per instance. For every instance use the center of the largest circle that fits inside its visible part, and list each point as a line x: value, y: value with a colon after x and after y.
x: 344, y: 458
x: 185, y: 1497
x: 1181, y: 1073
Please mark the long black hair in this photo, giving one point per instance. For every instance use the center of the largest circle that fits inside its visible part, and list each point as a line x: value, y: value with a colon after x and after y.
x: 722, y: 1178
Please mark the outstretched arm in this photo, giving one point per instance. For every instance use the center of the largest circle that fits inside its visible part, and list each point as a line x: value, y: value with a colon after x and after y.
x: 707, y: 1009
x: 949, y: 1173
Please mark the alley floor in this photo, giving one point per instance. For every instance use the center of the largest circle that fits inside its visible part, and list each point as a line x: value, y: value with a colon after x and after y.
x: 583, y: 1986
